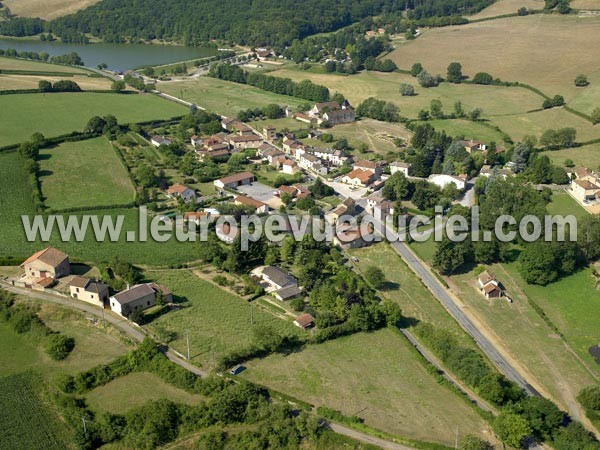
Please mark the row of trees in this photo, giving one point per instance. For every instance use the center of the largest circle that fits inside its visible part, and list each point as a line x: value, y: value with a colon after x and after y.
x: 271, y: 111
x: 58, y: 86
x: 72, y: 59
x: 285, y: 86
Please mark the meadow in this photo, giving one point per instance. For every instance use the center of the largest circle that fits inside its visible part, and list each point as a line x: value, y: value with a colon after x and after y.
x: 22, y: 115
x: 585, y: 156
x: 46, y: 9
x: 225, y: 97
x: 84, y: 174
x: 218, y: 322
x: 7, y: 63
x: 134, y: 390
x: 514, y: 49
x: 8, y: 81
x: 377, y: 377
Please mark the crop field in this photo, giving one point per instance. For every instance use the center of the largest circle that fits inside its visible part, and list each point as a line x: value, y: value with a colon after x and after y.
x: 133, y: 390
x: 46, y: 9
x: 86, y: 83
x: 84, y: 174
x: 513, y: 50
x: 586, y: 155
x: 225, y: 97
x: 549, y: 365
x: 217, y: 321
x: 500, y: 7
x: 7, y: 63
x: 374, y: 376
x: 28, y: 419
x: 22, y: 115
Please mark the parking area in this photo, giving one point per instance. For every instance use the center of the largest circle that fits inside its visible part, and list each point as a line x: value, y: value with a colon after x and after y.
x: 346, y: 190
x: 261, y: 192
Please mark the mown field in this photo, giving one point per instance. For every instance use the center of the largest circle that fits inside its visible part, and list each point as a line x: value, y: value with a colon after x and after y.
x: 586, y: 156
x: 22, y: 115
x: 84, y: 174
x: 218, y: 322
x: 225, y: 97
x: 585, y: 4
x: 29, y: 420
x: 374, y: 376
x: 7, y: 63
x: 562, y: 203
x: 8, y: 82
x: 514, y: 49
x: 133, y: 390
x: 46, y: 9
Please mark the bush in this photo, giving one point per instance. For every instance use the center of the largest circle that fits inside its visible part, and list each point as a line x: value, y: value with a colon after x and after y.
x: 59, y: 346
x: 483, y: 78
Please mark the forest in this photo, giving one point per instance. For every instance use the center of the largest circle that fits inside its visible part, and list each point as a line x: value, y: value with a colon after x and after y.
x: 265, y: 22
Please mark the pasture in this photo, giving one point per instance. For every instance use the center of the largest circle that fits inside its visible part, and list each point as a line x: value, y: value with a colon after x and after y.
x: 225, y: 97
x: 22, y: 115
x: 7, y: 63
x: 134, y: 390
x: 46, y: 9
x: 500, y: 7
x: 468, y: 129
x: 377, y: 377
x: 548, y: 365
x: 513, y: 49
x: 8, y: 81
x: 29, y: 419
x: 218, y: 322
x: 586, y: 156
x: 84, y: 174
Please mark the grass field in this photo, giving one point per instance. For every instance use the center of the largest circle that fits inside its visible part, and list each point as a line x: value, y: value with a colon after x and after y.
x: 29, y: 420
x: 46, y: 9
x: 374, y: 376
x: 586, y: 156
x: 514, y: 49
x: 218, y: 322
x: 562, y: 203
x: 86, y: 83
x: 225, y: 97
x: 22, y: 115
x: 468, y: 129
x: 500, y: 7
x: 585, y: 4
x: 519, y: 330
x: 85, y: 173
x: 38, y: 66
x: 133, y: 390
x: 378, y: 136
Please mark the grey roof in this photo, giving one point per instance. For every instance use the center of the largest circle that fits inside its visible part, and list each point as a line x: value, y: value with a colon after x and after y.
x: 288, y: 292
x: 279, y: 276
x: 133, y: 294
x: 79, y: 282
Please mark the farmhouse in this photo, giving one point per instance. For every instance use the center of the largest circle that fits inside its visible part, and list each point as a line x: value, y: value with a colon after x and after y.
x: 181, y: 191
x: 259, y: 206
x: 585, y: 191
x: 488, y: 285
x: 399, y: 166
x: 245, y: 141
x: 233, y: 181
x: 305, y: 321
x: 141, y: 296
x: 332, y: 112
x: 47, y: 263
x: 89, y: 291
x: 157, y: 141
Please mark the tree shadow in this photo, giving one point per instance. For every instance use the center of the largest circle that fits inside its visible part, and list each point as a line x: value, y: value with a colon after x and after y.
x: 45, y: 173
x: 408, y: 322
x: 389, y: 286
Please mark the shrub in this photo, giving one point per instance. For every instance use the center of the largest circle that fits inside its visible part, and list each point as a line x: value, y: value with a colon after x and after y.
x: 59, y: 346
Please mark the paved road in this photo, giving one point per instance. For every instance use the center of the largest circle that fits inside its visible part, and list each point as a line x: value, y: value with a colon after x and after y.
x: 133, y: 331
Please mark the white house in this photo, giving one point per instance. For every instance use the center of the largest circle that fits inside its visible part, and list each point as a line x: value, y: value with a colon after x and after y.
x: 442, y: 180
x: 399, y: 166
x: 141, y: 296
x: 157, y: 141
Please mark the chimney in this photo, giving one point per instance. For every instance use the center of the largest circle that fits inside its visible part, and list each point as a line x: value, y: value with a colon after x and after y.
x: 127, y: 287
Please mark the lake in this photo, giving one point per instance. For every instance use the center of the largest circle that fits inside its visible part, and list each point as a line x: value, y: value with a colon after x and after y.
x: 116, y: 56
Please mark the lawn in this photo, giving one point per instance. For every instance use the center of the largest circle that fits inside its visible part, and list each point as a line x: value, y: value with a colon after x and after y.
x: 468, y: 129
x: 513, y: 49
x: 133, y: 390
x: 22, y: 115
x: 377, y: 377
x: 584, y: 156
x: 86, y: 83
x: 28, y: 419
x: 37, y: 66
x: 225, y: 97
x: 218, y: 322
x: 84, y: 174
x: 562, y: 203
x: 519, y: 331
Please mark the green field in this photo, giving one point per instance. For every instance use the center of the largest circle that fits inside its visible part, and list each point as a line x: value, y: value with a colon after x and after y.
x: 133, y: 390
x: 584, y: 156
x: 562, y: 203
x: 29, y: 420
x: 84, y: 174
x: 225, y: 97
x: 517, y: 329
x: 374, y: 376
x: 468, y: 129
x: 218, y: 322
x: 22, y: 115
x: 37, y: 66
